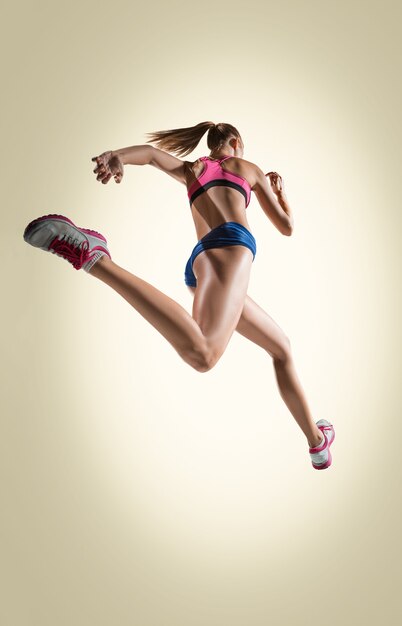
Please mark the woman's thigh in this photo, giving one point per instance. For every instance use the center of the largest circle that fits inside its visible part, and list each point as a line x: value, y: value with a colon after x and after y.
x: 222, y: 280
x: 256, y: 325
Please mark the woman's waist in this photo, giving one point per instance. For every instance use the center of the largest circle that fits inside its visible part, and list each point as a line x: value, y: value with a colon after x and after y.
x: 203, y: 227
x: 226, y: 234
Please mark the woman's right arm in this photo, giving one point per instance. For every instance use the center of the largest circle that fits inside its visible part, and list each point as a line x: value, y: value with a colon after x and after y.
x: 273, y: 200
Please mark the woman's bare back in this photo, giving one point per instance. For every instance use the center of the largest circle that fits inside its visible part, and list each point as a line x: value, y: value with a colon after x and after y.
x: 219, y: 204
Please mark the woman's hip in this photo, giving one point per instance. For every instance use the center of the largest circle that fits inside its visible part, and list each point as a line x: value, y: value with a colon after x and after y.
x: 226, y: 234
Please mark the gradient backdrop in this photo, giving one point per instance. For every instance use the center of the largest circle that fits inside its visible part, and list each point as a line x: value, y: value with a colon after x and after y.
x: 134, y: 490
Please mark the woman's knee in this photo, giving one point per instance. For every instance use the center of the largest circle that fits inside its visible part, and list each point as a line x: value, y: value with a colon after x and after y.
x: 208, y: 358
x: 283, y: 351
x: 202, y: 357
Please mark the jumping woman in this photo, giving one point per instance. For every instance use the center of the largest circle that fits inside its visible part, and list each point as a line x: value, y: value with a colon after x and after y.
x: 219, y: 189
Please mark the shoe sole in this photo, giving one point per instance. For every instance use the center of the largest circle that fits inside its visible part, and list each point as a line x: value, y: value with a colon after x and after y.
x: 62, y: 218
x: 329, y: 460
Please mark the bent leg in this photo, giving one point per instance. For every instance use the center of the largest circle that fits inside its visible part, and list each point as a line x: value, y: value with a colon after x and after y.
x: 257, y: 326
x: 222, y: 281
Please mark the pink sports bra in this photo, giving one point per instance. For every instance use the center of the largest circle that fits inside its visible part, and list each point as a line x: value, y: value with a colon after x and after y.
x: 214, y: 175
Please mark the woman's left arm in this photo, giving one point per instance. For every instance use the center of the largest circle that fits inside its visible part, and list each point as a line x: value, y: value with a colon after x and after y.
x: 134, y: 155
x: 149, y: 155
x: 112, y: 162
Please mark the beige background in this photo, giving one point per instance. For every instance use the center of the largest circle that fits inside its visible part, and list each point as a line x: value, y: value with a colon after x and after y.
x: 135, y: 490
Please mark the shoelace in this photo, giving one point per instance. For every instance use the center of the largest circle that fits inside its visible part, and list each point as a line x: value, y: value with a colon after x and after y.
x: 70, y: 249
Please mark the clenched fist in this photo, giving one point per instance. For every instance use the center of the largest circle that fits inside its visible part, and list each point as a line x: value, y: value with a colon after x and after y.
x: 276, y: 182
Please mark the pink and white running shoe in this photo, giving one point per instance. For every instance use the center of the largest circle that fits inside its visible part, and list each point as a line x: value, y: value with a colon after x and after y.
x: 81, y: 247
x: 320, y: 455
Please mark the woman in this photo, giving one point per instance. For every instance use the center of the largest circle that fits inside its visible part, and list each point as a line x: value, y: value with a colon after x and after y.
x: 219, y: 189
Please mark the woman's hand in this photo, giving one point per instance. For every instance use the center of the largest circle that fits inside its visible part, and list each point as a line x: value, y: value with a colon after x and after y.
x: 108, y: 164
x: 276, y: 182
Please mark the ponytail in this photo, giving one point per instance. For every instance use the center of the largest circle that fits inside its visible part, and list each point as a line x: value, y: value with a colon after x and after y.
x: 182, y: 141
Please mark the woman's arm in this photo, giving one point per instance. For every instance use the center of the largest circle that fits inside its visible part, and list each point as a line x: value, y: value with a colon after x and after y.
x: 283, y: 201
x: 111, y: 163
x: 273, y: 201
x: 135, y: 155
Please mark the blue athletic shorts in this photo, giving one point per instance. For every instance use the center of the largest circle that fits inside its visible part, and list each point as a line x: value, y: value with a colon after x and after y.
x: 226, y: 234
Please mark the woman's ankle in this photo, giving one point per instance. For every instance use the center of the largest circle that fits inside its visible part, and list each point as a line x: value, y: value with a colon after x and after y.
x: 317, y: 440
x: 100, y: 263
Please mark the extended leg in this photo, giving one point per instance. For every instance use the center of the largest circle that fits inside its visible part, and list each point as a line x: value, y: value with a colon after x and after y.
x: 164, y: 313
x: 200, y: 340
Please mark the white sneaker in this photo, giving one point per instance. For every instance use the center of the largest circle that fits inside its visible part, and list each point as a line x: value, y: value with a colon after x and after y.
x: 81, y: 247
x: 320, y: 455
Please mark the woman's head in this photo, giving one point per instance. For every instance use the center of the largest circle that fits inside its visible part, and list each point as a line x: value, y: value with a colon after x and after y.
x: 182, y: 141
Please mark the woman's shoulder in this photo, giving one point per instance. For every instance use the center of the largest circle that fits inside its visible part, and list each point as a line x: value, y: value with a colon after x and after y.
x: 242, y: 167
x: 246, y: 169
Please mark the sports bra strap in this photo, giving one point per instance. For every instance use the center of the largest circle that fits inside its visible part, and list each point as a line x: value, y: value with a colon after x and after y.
x: 203, y: 158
